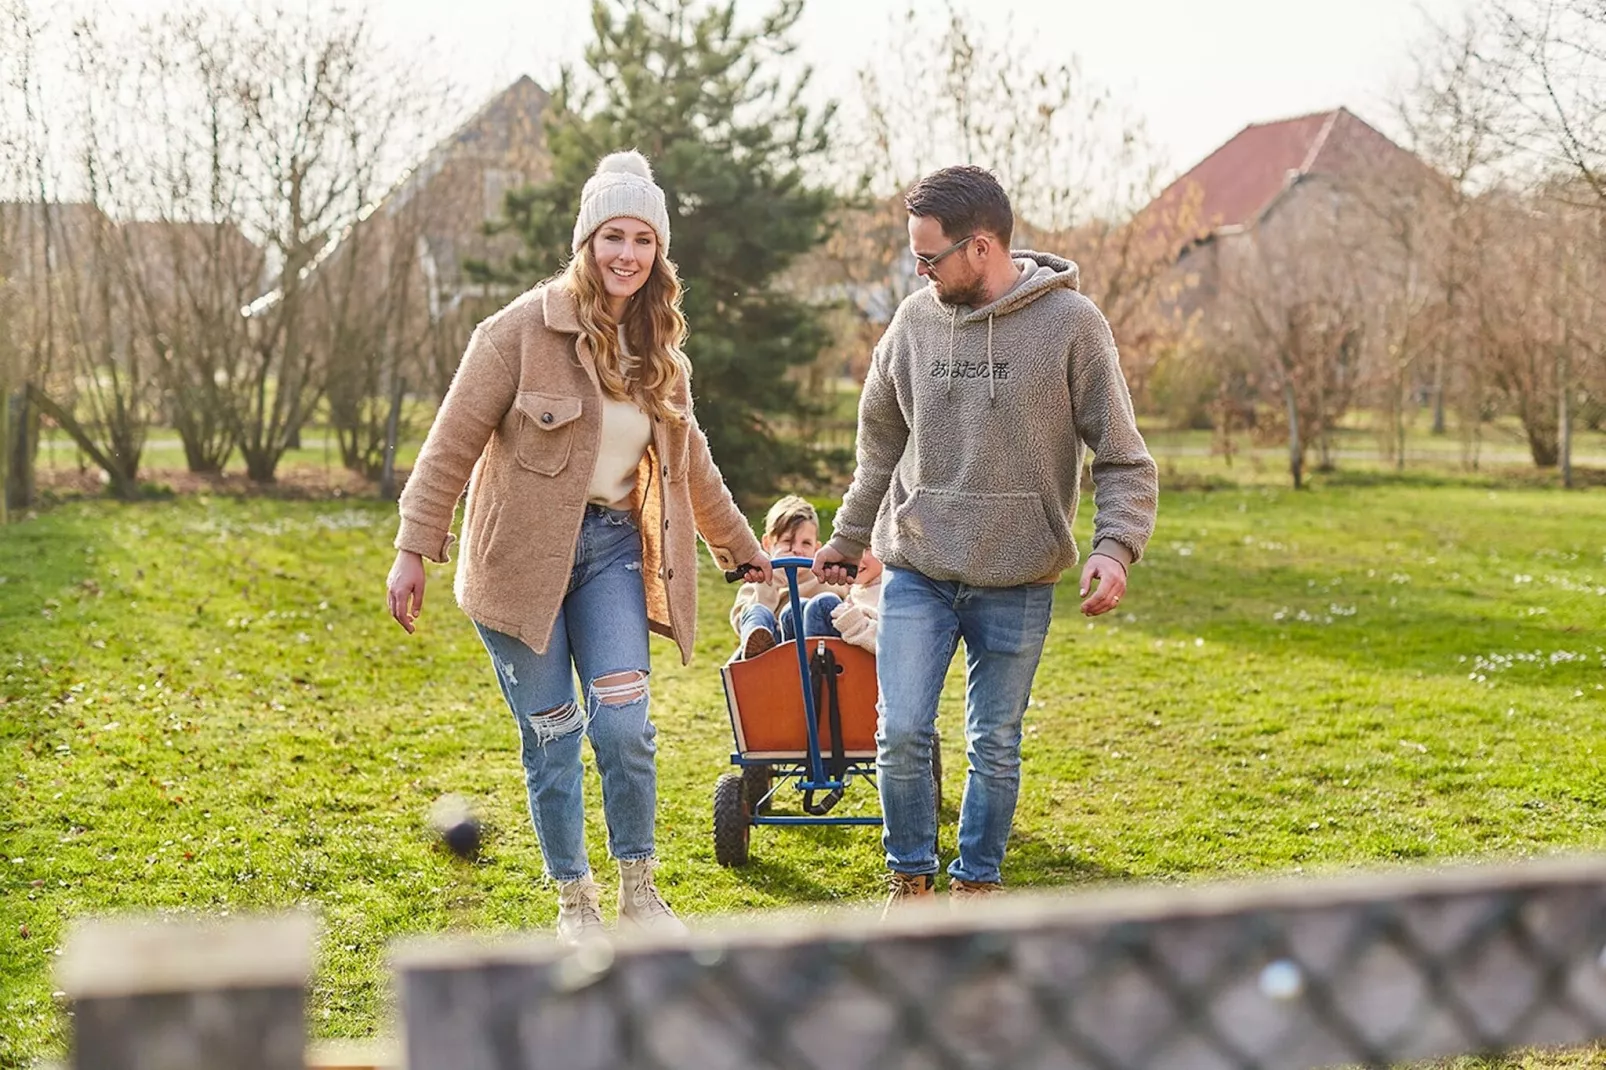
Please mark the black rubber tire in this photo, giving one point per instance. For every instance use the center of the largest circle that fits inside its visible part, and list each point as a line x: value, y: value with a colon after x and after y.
x: 936, y: 772
x: 758, y: 779
x: 731, y: 828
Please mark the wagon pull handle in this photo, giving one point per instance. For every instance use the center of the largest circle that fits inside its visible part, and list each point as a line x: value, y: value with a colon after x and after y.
x: 739, y: 575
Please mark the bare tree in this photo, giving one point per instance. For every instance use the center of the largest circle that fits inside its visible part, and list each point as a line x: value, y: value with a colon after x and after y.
x: 1550, y: 58
x: 14, y: 153
x: 1294, y: 310
x: 1551, y: 61
x: 190, y: 267
x: 1460, y: 122
x: 31, y: 247
x: 323, y: 113
x: 100, y: 393
x: 378, y: 308
x: 1077, y: 166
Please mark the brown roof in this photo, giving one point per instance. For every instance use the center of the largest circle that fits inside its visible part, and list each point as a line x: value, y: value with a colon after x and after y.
x: 1236, y: 184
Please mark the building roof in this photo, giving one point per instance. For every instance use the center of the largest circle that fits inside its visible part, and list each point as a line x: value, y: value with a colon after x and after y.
x: 511, y: 118
x: 1236, y: 184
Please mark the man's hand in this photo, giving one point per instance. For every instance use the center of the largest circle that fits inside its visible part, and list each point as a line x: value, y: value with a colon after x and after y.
x: 757, y: 570
x: 1111, y: 577
x: 828, y: 562
x: 404, y: 590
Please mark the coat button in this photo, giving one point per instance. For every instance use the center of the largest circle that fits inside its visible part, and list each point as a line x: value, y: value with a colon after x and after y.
x: 666, y: 471
x: 666, y: 523
x: 546, y: 417
x: 671, y: 574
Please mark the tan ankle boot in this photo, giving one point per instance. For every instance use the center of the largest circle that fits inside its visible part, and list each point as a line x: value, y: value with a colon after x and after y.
x: 641, y: 903
x: 579, y: 910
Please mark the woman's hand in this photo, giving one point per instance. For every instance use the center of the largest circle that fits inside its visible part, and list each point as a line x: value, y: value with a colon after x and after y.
x: 757, y: 570
x: 405, y: 588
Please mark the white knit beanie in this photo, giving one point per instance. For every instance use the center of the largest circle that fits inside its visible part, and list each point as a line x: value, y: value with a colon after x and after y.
x: 622, y: 186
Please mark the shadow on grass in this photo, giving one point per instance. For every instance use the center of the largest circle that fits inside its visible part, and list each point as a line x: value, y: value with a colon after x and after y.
x: 804, y: 871
x: 1034, y: 862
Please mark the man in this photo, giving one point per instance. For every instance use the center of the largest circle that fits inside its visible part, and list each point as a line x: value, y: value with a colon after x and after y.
x: 982, y: 398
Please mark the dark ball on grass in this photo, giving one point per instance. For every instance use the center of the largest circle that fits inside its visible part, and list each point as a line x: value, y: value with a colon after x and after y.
x: 453, y: 821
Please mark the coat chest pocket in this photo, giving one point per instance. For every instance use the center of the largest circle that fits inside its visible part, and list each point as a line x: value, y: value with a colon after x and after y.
x: 546, y: 430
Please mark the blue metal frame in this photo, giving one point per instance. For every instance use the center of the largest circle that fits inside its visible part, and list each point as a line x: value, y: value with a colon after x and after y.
x: 817, y: 781
x: 810, y: 771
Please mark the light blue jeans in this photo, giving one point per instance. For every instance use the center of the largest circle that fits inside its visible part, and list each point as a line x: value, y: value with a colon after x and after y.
x: 816, y: 618
x: 601, y: 633
x: 922, y: 622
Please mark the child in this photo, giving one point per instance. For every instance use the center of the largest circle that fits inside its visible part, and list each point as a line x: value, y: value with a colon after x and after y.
x: 762, y: 613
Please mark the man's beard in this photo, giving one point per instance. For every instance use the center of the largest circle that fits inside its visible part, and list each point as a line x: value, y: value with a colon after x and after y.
x: 972, y: 292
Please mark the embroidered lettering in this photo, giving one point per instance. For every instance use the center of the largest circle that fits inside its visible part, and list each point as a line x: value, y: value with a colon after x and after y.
x: 968, y: 369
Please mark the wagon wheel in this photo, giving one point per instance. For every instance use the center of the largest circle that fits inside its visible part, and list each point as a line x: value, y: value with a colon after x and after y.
x: 758, y: 779
x: 732, y: 826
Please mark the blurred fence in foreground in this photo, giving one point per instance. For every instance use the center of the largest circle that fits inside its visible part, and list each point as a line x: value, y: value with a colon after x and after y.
x: 1370, y: 970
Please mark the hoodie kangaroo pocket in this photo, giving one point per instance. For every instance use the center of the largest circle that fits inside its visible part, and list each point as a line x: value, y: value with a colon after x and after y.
x: 985, y: 540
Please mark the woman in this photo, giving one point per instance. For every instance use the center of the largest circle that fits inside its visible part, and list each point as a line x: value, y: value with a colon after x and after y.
x: 570, y: 420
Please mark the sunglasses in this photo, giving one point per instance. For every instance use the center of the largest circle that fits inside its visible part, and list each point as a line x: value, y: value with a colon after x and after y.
x: 933, y: 260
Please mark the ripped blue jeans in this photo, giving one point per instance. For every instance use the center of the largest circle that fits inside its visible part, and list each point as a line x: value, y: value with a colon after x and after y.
x: 601, y: 634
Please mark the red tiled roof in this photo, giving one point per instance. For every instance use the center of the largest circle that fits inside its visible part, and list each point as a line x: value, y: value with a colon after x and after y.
x: 1240, y: 180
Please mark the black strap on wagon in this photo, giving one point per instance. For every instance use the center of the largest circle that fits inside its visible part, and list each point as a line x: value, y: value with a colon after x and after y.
x: 823, y: 669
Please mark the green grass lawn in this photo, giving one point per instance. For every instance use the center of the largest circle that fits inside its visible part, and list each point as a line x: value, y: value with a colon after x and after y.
x: 204, y: 707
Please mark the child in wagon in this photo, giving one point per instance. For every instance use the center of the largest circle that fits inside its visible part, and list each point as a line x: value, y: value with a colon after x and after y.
x: 762, y: 613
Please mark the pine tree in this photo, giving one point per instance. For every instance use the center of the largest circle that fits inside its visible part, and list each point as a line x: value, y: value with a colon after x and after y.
x: 727, y: 136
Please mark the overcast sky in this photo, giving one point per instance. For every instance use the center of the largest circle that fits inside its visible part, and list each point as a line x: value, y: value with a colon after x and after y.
x: 1198, y: 71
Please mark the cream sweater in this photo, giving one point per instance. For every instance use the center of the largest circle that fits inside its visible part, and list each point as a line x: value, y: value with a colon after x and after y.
x: 626, y: 431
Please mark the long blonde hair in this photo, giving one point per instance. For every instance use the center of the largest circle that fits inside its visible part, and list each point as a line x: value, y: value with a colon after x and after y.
x: 653, y: 325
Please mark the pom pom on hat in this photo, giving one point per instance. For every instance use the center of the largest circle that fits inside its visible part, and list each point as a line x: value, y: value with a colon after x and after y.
x: 630, y: 162
x: 621, y: 186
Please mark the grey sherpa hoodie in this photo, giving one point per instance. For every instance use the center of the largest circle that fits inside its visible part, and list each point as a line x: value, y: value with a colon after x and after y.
x: 972, y: 430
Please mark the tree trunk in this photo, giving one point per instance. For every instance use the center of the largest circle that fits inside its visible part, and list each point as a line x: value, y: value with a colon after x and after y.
x: 1541, y: 445
x: 23, y: 451
x: 1438, y: 392
x: 5, y: 454
x: 387, y: 476
x: 121, y: 466
x: 1564, y: 420
x: 1296, y: 454
x: 1401, y: 400
x: 261, y: 465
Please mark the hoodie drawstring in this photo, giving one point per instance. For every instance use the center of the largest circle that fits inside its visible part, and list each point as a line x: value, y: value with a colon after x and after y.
x: 992, y: 391
x: 953, y: 324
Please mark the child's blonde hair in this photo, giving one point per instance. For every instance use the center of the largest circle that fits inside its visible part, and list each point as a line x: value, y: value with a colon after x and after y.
x: 787, y: 515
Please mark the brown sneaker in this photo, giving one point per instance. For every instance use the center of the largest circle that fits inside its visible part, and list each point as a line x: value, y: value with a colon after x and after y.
x: 965, y: 892
x: 904, y: 889
x: 758, y: 640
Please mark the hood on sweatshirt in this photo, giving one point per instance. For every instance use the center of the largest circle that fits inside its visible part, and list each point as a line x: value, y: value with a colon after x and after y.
x: 1040, y: 273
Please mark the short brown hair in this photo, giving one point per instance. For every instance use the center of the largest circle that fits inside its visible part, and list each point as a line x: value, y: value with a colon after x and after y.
x: 787, y: 515
x: 964, y: 200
